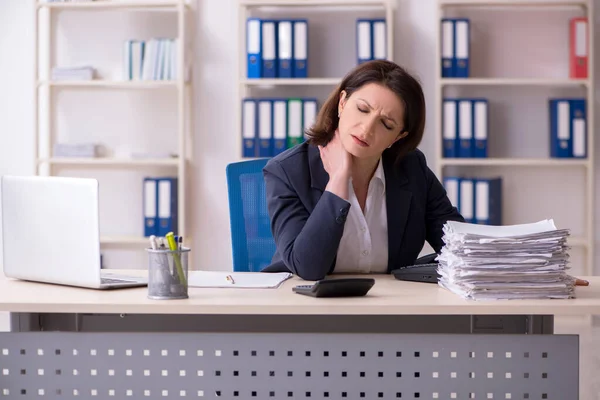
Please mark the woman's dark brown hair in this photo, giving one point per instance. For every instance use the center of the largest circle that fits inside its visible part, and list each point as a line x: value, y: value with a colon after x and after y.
x: 387, y: 74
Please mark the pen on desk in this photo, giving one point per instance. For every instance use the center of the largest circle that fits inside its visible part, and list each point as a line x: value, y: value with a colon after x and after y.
x: 153, y: 245
x: 230, y: 279
x: 164, y: 259
x: 173, y: 247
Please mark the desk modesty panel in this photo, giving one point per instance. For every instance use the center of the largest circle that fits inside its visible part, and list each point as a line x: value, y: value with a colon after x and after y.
x: 59, y: 365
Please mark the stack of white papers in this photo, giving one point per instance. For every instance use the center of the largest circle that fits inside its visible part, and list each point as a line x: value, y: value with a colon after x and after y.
x: 483, y: 262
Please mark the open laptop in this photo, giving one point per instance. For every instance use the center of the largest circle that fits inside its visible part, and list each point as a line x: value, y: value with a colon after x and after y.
x: 50, y: 232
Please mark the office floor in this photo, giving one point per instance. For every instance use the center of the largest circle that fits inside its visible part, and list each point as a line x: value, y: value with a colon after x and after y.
x: 589, y: 345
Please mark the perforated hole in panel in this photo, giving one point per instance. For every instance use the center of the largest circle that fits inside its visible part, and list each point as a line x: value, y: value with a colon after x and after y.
x: 57, y: 365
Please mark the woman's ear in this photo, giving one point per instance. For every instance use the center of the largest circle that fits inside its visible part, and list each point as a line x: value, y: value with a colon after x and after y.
x: 401, y: 135
x: 342, y: 101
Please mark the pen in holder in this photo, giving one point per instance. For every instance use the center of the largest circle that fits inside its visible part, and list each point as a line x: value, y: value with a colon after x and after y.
x: 167, y: 274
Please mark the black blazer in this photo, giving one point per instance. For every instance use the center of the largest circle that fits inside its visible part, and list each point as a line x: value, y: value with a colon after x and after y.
x: 307, y: 222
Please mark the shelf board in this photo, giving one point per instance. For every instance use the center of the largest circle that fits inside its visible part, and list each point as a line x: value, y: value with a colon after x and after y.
x: 124, y: 240
x: 514, y: 82
x: 127, y: 240
x: 291, y: 81
x: 148, y: 5
x: 110, y: 162
x: 111, y: 84
x: 312, y: 3
x: 513, y: 3
x: 514, y: 162
x: 242, y: 159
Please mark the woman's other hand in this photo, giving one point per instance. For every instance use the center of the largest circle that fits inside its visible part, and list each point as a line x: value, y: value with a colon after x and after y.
x: 581, y: 282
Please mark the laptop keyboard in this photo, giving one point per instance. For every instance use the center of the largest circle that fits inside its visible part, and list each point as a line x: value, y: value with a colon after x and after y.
x: 112, y: 280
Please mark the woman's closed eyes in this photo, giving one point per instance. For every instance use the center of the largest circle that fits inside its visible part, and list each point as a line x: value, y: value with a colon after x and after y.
x: 366, y: 111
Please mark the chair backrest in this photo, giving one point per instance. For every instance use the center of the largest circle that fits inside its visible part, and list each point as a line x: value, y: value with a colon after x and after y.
x: 253, y: 245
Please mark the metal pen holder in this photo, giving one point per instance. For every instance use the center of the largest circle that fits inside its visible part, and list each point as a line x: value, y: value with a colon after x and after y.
x: 168, y: 274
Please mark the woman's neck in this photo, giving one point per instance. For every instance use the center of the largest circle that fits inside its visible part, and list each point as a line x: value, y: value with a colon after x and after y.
x: 363, y: 170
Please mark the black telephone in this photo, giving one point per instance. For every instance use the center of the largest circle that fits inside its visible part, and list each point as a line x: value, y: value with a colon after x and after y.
x: 423, y: 270
x: 343, y: 287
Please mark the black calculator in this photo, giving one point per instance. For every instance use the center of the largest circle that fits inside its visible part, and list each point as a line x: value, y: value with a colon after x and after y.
x: 342, y: 287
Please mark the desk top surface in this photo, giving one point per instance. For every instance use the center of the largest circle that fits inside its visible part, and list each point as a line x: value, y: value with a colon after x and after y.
x: 387, y: 297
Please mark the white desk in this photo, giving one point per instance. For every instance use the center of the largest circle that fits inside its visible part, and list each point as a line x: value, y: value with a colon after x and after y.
x: 387, y: 297
x: 272, y: 343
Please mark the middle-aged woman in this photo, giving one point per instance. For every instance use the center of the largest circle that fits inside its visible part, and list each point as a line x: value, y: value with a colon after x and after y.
x: 358, y: 197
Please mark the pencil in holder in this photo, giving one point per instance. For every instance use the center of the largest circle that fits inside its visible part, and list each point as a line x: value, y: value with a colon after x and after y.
x: 168, y: 274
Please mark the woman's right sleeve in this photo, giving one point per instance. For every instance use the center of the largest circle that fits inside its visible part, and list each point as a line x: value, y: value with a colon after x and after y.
x: 307, y: 242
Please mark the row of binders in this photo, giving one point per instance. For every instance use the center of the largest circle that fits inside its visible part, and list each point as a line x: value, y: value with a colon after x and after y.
x: 270, y: 126
x: 155, y: 59
x: 455, y: 47
x: 279, y: 48
x: 371, y: 39
x: 160, y: 206
x: 465, y: 128
x: 578, y: 47
x: 568, y: 137
x: 478, y: 200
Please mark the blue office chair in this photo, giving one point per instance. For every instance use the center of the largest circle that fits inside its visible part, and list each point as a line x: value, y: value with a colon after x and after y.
x: 252, y: 242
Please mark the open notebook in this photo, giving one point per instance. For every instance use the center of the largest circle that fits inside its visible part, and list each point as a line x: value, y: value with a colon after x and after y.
x: 218, y: 279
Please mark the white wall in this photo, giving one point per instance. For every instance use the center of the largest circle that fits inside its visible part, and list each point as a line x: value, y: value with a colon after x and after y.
x: 519, y: 124
x: 16, y: 81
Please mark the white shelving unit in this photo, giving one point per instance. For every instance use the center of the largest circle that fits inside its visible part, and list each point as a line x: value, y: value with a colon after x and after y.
x: 246, y: 9
x: 311, y: 3
x: 513, y: 3
x: 123, y: 240
x: 110, y: 162
x: 291, y: 82
x: 46, y: 164
x: 586, y: 241
x: 516, y: 162
x: 514, y: 82
x: 110, y: 84
x: 164, y: 5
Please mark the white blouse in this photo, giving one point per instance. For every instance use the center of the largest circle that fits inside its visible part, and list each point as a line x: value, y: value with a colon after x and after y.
x: 364, y: 244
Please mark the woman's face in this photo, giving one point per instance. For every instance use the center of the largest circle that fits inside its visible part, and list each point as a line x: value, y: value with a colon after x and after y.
x: 371, y: 120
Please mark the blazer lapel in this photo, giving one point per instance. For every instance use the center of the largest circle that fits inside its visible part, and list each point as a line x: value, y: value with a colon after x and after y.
x: 398, y: 206
x: 318, y: 176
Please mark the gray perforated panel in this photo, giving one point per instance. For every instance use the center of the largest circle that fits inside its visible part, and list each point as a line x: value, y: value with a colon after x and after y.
x: 59, y: 365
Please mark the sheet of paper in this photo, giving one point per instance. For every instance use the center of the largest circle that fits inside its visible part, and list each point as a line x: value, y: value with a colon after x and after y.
x: 218, y: 279
x: 502, y: 231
